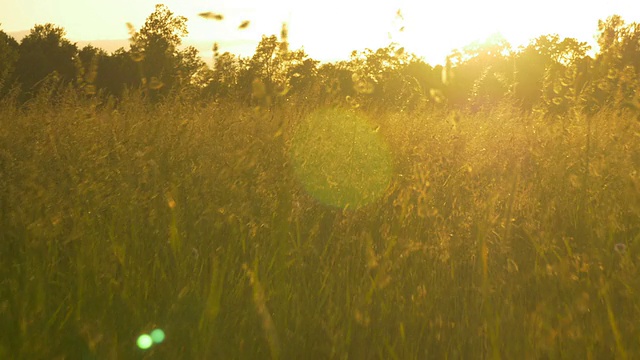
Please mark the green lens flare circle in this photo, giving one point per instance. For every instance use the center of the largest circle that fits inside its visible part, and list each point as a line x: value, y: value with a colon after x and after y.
x: 157, y: 336
x: 144, y: 341
x: 340, y: 159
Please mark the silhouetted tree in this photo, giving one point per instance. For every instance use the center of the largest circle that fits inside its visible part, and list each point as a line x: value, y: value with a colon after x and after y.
x: 44, y: 51
x: 87, y: 62
x: 480, y: 75
x: 266, y: 75
x: 303, y: 76
x: 372, y: 71
x: 337, y: 81
x: 388, y: 78
x: 190, y: 68
x: 9, y: 52
x: 428, y: 78
x: 117, y: 72
x: 617, y: 65
x: 530, y: 71
x: 223, y: 80
x: 155, y: 46
x: 550, y: 73
x: 263, y: 68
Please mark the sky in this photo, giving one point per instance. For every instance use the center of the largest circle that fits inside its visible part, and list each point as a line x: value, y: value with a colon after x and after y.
x: 330, y: 30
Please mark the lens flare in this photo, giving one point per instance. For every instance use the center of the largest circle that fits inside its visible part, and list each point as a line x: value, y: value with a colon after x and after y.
x: 144, y: 341
x: 157, y: 336
x: 340, y: 158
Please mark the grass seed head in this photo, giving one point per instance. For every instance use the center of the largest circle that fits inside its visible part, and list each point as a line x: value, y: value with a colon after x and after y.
x: 211, y: 16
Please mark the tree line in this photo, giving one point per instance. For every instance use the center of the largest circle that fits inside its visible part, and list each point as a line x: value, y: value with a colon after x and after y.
x: 551, y: 74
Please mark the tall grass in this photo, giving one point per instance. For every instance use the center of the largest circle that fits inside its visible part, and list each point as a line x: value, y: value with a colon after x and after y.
x: 501, y: 235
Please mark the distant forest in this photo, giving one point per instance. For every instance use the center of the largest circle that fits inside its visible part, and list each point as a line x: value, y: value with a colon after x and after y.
x: 553, y: 75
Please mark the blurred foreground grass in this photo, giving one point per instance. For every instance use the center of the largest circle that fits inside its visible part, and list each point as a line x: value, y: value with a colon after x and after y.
x: 499, y: 235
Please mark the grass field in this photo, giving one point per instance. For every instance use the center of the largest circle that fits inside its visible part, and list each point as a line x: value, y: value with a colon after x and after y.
x: 250, y: 234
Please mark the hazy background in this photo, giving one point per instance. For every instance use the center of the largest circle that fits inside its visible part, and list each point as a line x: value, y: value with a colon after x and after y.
x: 327, y: 31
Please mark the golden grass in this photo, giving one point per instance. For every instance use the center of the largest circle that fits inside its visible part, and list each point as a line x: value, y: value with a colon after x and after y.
x: 498, y: 236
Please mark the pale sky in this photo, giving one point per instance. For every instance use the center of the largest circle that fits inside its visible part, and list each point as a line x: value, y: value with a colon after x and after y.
x: 331, y: 29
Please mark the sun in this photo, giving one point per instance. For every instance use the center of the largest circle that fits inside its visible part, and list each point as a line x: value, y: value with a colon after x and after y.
x: 333, y: 29
x: 434, y: 29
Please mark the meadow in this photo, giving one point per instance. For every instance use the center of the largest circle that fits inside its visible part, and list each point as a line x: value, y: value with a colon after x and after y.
x: 423, y: 234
